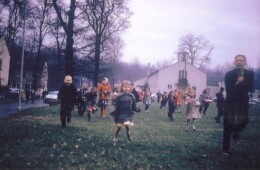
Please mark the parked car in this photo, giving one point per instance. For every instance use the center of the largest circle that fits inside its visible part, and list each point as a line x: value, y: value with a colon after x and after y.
x: 254, y: 101
x: 52, y: 98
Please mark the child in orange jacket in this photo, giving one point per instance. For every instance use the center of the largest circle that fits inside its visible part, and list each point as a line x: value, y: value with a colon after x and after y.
x: 104, y: 91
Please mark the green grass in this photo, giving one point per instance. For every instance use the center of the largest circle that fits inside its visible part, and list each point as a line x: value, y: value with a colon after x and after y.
x: 33, y: 139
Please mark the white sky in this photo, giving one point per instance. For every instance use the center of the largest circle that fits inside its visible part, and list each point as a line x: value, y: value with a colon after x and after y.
x: 232, y: 27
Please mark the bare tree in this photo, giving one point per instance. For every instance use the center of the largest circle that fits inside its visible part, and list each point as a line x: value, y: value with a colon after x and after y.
x: 114, y: 51
x: 68, y: 27
x: 198, y: 48
x: 39, y: 17
x: 162, y: 64
x: 105, y: 18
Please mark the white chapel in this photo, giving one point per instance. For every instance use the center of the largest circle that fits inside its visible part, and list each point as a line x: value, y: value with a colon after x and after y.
x: 179, y: 75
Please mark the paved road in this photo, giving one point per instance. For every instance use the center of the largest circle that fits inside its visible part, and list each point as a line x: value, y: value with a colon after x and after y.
x: 8, y: 109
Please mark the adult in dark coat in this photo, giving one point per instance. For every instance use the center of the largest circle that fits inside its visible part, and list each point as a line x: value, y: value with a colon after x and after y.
x: 32, y: 95
x: 68, y: 96
x: 239, y: 82
x: 27, y: 95
x: 220, y: 104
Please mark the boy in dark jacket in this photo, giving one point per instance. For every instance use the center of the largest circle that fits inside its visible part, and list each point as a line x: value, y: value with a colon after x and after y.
x: 68, y: 96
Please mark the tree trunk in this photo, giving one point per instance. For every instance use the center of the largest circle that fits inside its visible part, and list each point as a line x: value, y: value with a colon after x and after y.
x: 97, y: 59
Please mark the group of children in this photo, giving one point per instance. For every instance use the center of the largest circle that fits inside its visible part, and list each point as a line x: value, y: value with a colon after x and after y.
x: 124, y: 102
x: 175, y: 100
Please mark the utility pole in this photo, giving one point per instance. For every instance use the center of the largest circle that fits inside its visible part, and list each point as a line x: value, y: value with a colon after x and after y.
x: 22, y: 62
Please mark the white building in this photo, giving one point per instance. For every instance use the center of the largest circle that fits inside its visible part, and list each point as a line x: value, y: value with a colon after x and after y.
x: 179, y: 75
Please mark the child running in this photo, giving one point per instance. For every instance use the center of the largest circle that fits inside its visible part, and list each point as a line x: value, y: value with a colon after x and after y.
x: 125, y: 104
x: 192, y: 111
x: 91, y: 102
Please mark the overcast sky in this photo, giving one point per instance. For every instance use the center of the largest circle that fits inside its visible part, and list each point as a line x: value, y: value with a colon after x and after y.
x: 232, y: 27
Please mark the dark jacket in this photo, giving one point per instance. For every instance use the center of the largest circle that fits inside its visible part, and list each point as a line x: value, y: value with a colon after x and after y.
x: 238, y: 93
x: 68, y: 94
x: 220, y: 99
x: 82, y: 95
x: 125, y: 105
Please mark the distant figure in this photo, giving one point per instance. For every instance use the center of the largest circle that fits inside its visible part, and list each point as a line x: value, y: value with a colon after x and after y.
x: 104, y: 91
x: 44, y: 93
x: 171, y: 104
x: 158, y: 96
x: 91, y: 98
x: 204, y: 103
x: 192, y: 111
x: 68, y: 96
x: 239, y: 82
x: 82, y: 99
x: 164, y: 99
x: 147, y: 99
x: 135, y: 93
x: 179, y: 100
x: 125, y: 105
x: 32, y: 95
x: 27, y: 95
x: 220, y: 104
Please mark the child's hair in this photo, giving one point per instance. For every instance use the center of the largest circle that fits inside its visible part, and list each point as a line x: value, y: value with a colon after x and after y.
x: 126, y: 82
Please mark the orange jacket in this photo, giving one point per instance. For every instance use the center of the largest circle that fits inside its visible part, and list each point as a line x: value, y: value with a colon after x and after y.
x: 179, y: 98
x: 104, y: 90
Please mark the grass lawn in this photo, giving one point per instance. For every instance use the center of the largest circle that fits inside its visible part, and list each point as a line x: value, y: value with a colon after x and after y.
x: 34, y: 139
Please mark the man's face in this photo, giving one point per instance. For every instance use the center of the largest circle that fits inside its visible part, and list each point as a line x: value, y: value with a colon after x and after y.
x: 240, y: 62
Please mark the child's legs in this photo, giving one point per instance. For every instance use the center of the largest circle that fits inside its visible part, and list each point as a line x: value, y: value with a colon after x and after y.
x: 117, y: 129
x: 128, y: 132
x: 193, y: 122
x: 187, y: 122
x: 63, y: 114
x: 146, y: 106
x: 89, y: 116
x: 103, y: 112
x: 171, y: 111
x: 205, y: 108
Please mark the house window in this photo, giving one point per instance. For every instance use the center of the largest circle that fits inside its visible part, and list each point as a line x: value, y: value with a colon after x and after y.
x: 182, y: 74
x: 169, y: 86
